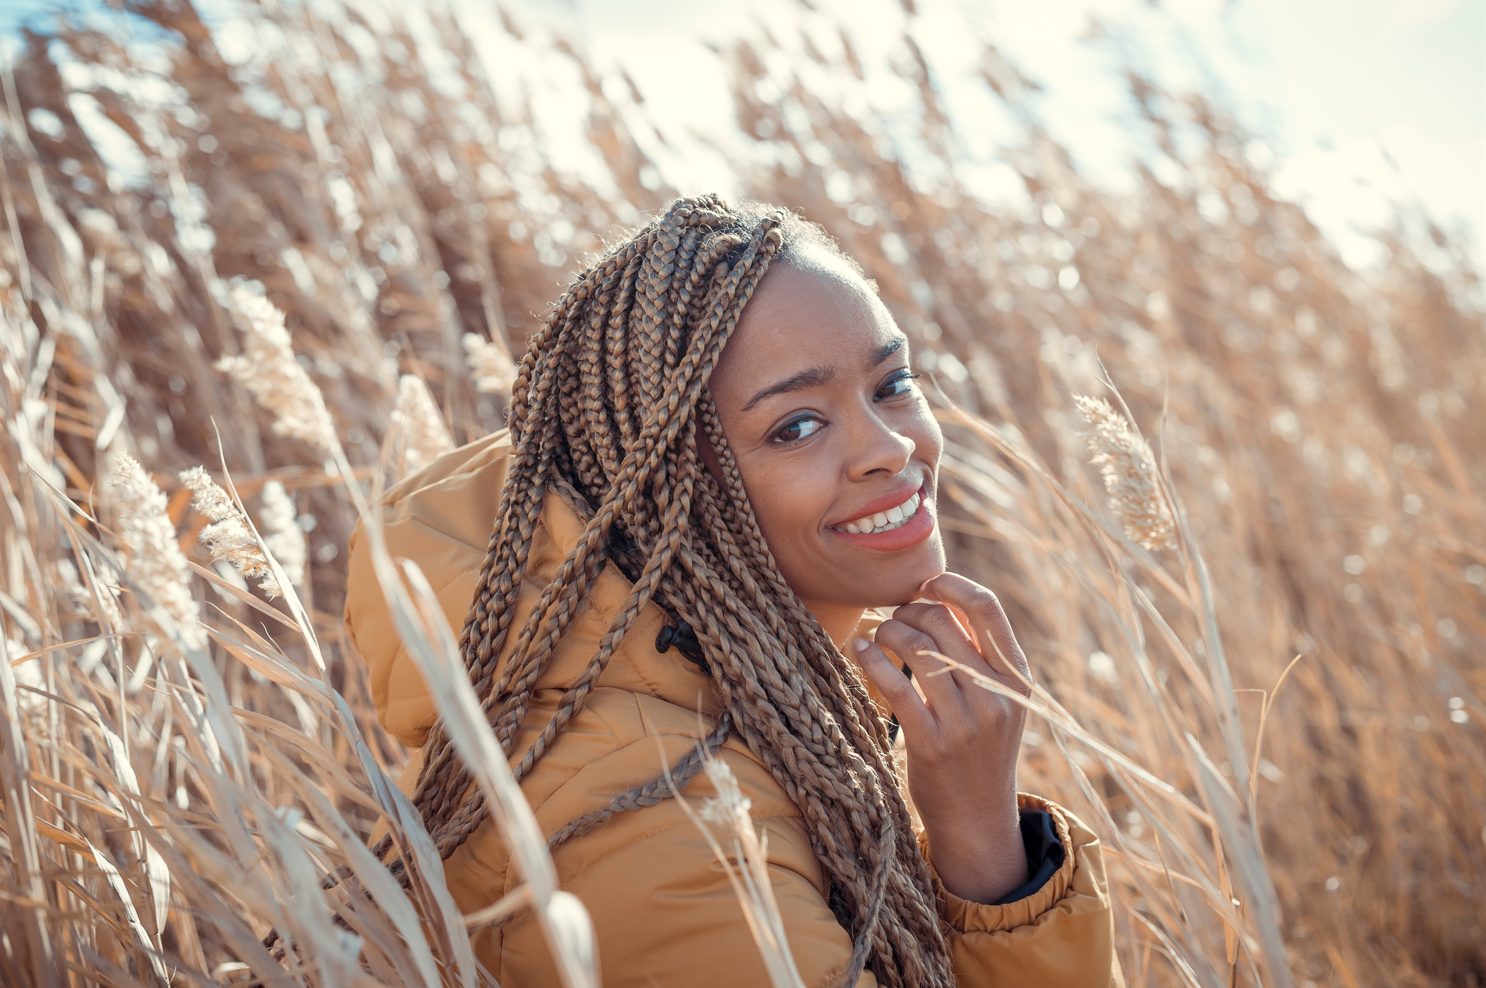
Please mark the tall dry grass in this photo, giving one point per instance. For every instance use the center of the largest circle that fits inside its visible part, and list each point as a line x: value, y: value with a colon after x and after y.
x: 1265, y: 695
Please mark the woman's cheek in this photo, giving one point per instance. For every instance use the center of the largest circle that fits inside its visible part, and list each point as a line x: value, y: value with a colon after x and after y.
x: 931, y: 436
x: 788, y: 513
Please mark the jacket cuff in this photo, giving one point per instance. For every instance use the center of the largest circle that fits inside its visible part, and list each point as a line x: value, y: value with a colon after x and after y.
x: 1051, y: 873
x: 1045, y: 853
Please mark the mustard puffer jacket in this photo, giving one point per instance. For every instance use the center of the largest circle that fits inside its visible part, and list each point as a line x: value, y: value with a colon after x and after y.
x: 663, y: 911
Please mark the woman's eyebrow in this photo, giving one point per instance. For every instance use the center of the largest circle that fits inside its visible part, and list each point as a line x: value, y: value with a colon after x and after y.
x: 814, y: 377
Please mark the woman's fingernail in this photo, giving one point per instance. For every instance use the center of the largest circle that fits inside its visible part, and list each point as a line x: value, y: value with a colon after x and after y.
x: 860, y: 644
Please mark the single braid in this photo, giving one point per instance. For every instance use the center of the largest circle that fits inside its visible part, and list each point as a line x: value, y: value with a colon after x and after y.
x: 605, y: 412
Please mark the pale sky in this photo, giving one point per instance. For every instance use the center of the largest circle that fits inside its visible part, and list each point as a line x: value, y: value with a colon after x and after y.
x: 1361, y: 103
x: 1336, y: 88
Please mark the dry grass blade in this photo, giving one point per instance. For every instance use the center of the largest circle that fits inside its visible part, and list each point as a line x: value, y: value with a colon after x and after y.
x: 746, y: 866
x: 428, y: 639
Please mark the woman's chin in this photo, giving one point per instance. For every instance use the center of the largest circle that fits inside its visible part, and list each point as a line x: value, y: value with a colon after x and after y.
x: 931, y: 563
x: 905, y: 589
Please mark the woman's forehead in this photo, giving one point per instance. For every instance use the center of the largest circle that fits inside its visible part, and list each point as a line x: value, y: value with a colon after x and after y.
x: 801, y: 318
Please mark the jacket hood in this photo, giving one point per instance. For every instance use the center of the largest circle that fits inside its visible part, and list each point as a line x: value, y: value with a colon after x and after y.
x: 441, y: 517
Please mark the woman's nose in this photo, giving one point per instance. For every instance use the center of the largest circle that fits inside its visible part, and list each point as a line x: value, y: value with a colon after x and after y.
x: 880, y: 447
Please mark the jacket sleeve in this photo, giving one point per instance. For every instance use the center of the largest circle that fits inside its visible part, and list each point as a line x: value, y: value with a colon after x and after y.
x: 665, y: 915
x: 1061, y: 934
x: 439, y: 516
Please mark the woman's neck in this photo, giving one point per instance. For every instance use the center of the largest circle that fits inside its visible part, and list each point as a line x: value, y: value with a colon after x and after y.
x: 838, y: 620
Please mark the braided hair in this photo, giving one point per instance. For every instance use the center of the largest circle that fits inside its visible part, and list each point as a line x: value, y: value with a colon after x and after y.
x: 606, y: 411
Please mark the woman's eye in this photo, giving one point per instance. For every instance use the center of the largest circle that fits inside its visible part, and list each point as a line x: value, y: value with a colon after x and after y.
x: 785, y: 434
x: 903, y: 378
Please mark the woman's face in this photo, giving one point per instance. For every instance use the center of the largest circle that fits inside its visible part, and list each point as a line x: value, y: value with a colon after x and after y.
x: 826, y: 425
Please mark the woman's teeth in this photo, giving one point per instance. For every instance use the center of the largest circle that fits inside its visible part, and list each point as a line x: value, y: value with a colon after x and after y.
x: 884, y: 520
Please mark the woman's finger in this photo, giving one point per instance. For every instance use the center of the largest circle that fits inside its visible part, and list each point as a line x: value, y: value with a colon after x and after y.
x: 896, y: 688
x: 916, y: 647
x: 988, y: 624
x: 940, y: 623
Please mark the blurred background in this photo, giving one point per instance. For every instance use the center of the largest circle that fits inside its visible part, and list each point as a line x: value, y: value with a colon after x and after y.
x: 301, y: 245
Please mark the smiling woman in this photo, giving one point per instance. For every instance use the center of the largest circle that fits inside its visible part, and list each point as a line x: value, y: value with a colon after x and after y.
x: 716, y: 442
x: 837, y: 433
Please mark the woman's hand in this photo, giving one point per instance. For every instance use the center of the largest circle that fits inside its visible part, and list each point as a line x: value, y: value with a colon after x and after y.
x: 962, y: 742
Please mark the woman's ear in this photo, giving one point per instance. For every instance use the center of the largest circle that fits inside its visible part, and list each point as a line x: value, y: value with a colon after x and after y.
x: 708, y: 453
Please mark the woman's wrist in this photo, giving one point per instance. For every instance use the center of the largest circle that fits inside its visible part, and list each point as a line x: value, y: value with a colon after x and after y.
x: 980, y: 857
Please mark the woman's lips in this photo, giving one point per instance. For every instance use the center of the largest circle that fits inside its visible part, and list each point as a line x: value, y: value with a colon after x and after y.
x: 883, y: 503
x: 919, y: 526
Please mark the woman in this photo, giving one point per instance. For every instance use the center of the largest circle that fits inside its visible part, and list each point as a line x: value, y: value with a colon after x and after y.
x: 717, y: 461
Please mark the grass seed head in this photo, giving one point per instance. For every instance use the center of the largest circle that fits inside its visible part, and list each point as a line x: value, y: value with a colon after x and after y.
x: 417, y: 418
x: 228, y: 537
x: 729, y: 806
x: 155, y: 560
x: 281, y: 532
x: 1128, y: 468
x: 491, y: 365
x: 272, y: 374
